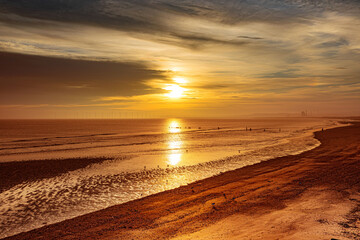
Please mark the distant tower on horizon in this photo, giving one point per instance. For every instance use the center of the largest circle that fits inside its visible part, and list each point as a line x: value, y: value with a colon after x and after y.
x: 304, y: 113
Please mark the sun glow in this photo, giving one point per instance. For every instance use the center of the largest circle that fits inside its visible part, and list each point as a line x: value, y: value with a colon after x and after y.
x: 175, y: 91
x: 180, y: 80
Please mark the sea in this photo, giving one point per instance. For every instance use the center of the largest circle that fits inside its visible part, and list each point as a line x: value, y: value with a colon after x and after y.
x: 143, y: 157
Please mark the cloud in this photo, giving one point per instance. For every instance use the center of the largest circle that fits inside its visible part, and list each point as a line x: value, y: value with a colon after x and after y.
x: 198, y: 41
x: 38, y: 79
x: 331, y: 44
x: 120, y: 49
x: 149, y: 17
x: 289, y: 73
x: 249, y: 37
x: 187, y: 24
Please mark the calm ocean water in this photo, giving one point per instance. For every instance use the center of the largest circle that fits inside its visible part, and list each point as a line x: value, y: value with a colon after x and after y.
x: 148, y: 156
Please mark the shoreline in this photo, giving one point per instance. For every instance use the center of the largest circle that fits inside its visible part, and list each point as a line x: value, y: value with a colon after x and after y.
x: 256, y: 190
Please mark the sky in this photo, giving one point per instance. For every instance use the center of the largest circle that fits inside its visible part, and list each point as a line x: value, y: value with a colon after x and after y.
x: 171, y: 58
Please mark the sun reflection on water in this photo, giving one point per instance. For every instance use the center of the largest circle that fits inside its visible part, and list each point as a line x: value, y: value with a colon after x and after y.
x: 174, y: 127
x: 174, y: 144
x: 175, y: 152
x: 174, y: 158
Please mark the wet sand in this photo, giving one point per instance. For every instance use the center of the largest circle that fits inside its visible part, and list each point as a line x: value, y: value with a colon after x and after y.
x: 13, y: 173
x: 314, y: 195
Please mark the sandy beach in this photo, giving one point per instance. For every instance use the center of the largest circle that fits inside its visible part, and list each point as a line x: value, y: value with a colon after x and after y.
x: 314, y: 195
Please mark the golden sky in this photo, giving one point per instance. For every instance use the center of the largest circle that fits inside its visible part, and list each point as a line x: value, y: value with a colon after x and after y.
x: 169, y: 58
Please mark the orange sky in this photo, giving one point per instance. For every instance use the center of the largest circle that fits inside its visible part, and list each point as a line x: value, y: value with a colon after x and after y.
x: 167, y: 58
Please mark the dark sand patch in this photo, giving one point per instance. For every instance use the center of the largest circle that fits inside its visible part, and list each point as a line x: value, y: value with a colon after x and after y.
x: 13, y: 173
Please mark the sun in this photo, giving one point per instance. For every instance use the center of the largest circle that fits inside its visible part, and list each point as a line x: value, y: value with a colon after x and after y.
x: 175, y: 91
